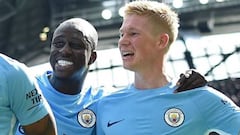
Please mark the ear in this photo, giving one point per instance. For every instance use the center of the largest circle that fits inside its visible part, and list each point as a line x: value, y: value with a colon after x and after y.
x: 93, y: 58
x: 163, y: 40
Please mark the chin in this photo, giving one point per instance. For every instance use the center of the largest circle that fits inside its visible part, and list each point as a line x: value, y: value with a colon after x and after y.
x: 63, y: 75
x: 128, y: 67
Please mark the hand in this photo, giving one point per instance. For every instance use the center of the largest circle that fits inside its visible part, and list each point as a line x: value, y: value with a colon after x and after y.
x: 190, y: 80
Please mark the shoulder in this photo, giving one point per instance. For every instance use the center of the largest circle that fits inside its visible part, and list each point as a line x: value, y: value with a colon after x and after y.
x: 99, y: 92
x: 115, y: 94
x: 209, y: 93
x: 15, y: 74
x: 11, y: 67
x: 43, y: 78
x: 203, y: 92
x: 208, y: 98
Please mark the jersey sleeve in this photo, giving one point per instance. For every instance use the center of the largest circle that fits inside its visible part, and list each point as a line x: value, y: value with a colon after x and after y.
x: 25, y: 98
x: 220, y: 113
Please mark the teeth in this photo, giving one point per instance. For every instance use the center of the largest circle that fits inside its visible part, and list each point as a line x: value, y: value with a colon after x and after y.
x: 126, y: 53
x: 64, y: 63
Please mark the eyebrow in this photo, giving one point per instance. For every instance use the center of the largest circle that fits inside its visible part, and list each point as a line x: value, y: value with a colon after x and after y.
x: 129, y: 29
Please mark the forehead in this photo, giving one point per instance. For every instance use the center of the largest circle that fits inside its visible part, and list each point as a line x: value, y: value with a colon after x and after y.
x: 69, y: 30
x: 134, y: 22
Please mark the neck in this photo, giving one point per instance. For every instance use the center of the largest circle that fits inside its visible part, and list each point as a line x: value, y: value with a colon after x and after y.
x: 151, y: 80
x: 70, y: 85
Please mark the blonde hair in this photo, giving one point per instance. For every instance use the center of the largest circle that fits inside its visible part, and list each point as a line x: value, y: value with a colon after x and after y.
x: 159, y: 14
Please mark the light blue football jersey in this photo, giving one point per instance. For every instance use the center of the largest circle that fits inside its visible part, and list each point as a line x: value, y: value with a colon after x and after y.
x: 161, y: 112
x: 20, y: 101
x: 74, y: 114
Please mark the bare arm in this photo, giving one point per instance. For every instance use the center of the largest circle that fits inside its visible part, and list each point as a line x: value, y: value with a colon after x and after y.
x: 45, y: 126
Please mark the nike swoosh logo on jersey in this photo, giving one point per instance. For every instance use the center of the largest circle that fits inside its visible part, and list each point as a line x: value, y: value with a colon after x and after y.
x: 112, y: 123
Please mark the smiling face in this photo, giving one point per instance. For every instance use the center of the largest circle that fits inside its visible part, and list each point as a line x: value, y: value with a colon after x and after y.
x: 71, y: 52
x: 138, y: 45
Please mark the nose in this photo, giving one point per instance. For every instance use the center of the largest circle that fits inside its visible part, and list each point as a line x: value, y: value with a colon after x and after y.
x: 123, y: 40
x: 66, y: 48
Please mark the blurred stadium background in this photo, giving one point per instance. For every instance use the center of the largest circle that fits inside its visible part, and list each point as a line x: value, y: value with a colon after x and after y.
x: 208, y: 39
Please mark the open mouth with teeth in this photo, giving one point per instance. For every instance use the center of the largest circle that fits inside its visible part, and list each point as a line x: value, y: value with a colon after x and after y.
x: 64, y: 67
x: 125, y: 54
x: 64, y: 63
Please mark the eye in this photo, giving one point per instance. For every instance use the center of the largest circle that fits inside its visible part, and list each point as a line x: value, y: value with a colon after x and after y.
x: 58, y: 44
x: 133, y: 33
x: 78, y: 46
x: 81, y: 44
x: 120, y: 35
